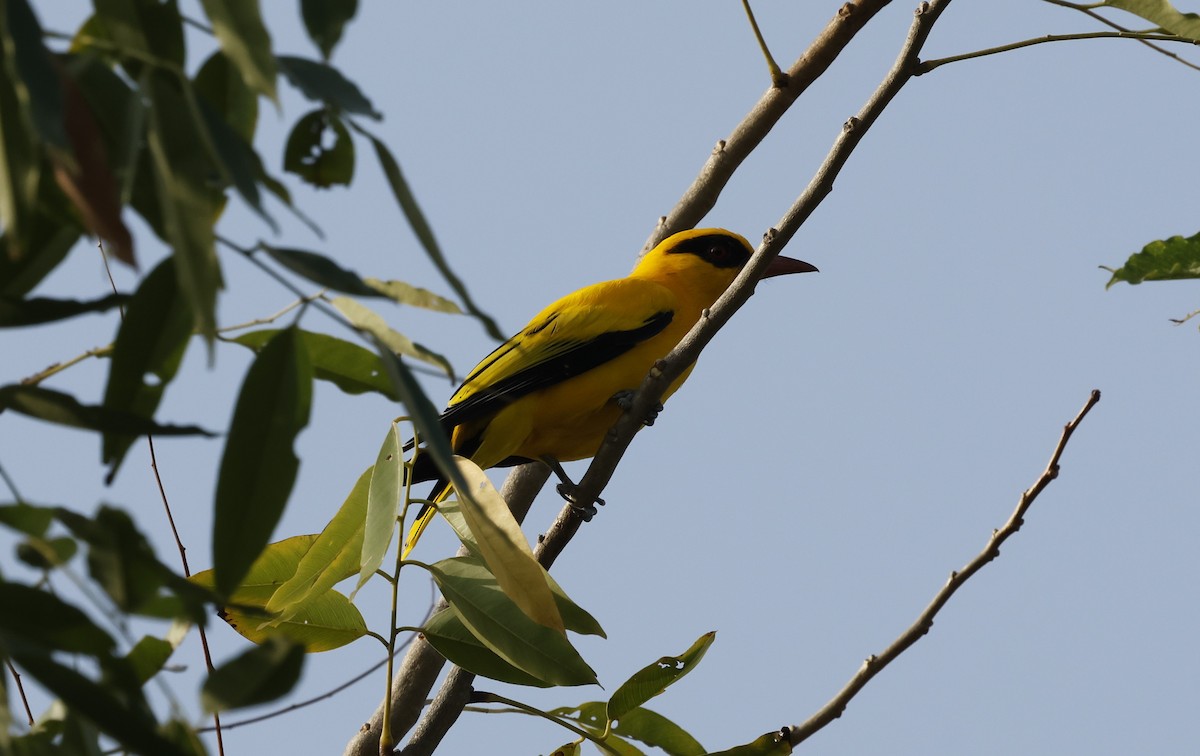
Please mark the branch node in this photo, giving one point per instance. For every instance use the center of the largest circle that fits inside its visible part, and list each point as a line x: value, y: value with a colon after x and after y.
x: 851, y: 124
x: 846, y: 11
x: 922, y: 9
x: 717, y: 150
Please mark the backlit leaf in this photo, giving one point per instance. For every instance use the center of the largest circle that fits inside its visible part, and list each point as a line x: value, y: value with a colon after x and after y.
x: 347, y: 365
x: 657, y: 677
x: 1165, y: 260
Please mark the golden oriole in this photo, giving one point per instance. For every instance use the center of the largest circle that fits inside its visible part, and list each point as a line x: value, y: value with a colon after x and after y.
x: 552, y: 391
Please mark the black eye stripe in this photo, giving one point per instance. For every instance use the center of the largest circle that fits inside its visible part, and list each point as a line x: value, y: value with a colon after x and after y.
x: 721, y: 251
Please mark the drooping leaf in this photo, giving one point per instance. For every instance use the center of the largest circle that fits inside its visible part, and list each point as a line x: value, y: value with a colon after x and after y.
x: 310, y: 156
x: 420, y: 410
x: 87, y: 177
x: 333, y: 555
x: 325, y: 19
x: 1162, y: 14
x: 383, y: 504
x: 258, y: 466
x: 181, y: 172
x: 237, y: 160
x: 25, y: 312
x: 323, y: 83
x: 504, y: 548
x: 366, y: 319
x: 424, y: 232
x: 414, y: 296
x: 221, y: 85
x: 654, y: 678
x: 239, y: 27
x: 64, y: 409
x: 120, y: 558
x: 1164, y: 260
x: 321, y: 270
x: 258, y: 675
x: 36, y: 75
x: 150, y: 345
x: 504, y: 628
x: 48, y: 244
x: 141, y: 29
x: 450, y: 637
x: 347, y: 365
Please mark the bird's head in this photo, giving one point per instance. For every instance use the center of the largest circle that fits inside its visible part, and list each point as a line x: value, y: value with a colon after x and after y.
x: 708, y: 259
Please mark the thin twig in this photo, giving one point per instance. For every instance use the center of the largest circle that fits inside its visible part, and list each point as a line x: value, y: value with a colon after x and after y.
x: 12, y: 485
x: 928, y: 65
x: 20, y: 691
x: 874, y: 664
x: 778, y: 78
x: 1090, y: 11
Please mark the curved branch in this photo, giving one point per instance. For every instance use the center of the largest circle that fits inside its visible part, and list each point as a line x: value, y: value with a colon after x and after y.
x: 874, y: 664
x: 1154, y: 36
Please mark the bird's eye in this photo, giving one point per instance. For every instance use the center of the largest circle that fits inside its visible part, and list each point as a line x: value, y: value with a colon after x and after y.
x: 718, y: 253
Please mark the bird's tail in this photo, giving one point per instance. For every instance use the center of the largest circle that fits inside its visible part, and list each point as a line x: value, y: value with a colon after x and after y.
x: 441, y: 490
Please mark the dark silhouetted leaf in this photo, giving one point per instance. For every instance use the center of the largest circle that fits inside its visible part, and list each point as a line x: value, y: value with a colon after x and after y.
x: 322, y: 82
x: 26, y: 518
x: 182, y: 171
x: 19, y: 164
x: 308, y: 156
x: 48, y: 245
x: 46, y: 621
x: 1166, y: 260
x: 424, y: 233
x: 325, y: 19
x: 321, y: 270
x: 64, y: 409
x: 345, y: 364
x: 239, y: 163
x: 244, y: 38
x: 150, y: 342
x: 23, y: 312
x: 223, y: 88
x: 35, y: 69
x: 258, y: 467
x: 261, y: 674
x: 47, y: 553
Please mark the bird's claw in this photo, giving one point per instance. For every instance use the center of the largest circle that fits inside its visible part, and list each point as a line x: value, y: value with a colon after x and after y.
x: 624, y: 400
x: 586, y: 512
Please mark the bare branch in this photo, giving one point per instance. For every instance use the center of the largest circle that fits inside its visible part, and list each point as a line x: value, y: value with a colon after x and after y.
x: 1155, y: 36
x: 874, y: 664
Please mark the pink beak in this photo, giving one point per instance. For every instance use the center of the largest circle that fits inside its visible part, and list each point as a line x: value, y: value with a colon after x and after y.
x: 781, y: 266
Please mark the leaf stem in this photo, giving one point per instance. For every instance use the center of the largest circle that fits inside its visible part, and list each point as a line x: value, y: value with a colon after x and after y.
x: 928, y: 65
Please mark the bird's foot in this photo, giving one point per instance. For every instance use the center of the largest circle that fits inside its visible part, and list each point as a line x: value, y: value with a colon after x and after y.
x: 570, y: 492
x: 624, y: 400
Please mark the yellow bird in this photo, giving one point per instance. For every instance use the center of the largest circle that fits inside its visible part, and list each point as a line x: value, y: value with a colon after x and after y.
x: 551, y: 392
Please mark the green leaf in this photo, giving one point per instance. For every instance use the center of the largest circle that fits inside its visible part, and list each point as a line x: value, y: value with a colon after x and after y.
x: 504, y: 548
x: 148, y: 656
x: 238, y: 162
x: 221, y: 85
x: 182, y: 171
x: 451, y: 638
x: 239, y: 28
x: 383, y: 505
x: 423, y: 231
x: 64, y: 409
x: 503, y: 627
x: 1163, y: 14
x: 770, y: 744
x: 258, y: 467
x: 48, y: 245
x: 45, y: 621
x: 320, y: 270
x: 26, y: 518
x: 323, y: 83
x: 141, y: 29
x: 414, y: 296
x: 119, y: 557
x: 308, y: 156
x: 324, y: 21
x: 640, y: 724
x: 347, y: 365
x: 24, y: 312
x: 420, y: 410
x: 261, y: 674
x: 333, y: 556
x: 151, y: 342
x: 19, y: 153
x: 653, y: 679
x: 366, y: 319
x: 1166, y: 260
x: 37, y: 78
x: 46, y: 554
x: 107, y: 706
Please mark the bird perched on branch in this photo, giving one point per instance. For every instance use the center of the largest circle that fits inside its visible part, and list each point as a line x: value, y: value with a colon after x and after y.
x: 551, y: 392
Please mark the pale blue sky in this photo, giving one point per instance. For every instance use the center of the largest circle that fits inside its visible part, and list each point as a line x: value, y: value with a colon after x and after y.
x: 849, y: 439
